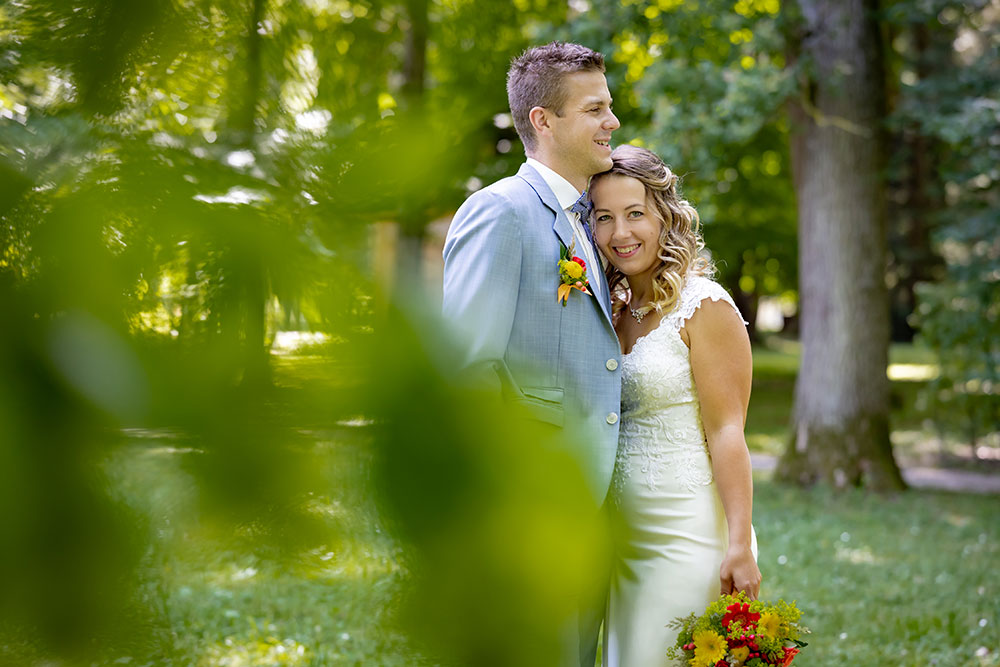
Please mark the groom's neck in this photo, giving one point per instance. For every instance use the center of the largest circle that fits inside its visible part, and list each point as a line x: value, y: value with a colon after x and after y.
x: 576, y: 180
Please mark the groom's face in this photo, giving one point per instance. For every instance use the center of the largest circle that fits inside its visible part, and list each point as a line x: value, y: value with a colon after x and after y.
x: 581, y: 132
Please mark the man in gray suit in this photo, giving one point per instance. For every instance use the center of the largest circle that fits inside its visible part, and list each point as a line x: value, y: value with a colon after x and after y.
x: 502, y: 273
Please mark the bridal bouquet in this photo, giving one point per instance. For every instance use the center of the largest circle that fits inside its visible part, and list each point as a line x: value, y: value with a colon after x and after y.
x: 735, y: 632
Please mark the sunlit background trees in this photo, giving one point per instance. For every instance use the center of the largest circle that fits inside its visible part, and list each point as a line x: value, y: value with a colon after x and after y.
x: 227, y: 426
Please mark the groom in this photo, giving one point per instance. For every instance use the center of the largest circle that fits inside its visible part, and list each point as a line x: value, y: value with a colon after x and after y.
x: 502, y: 270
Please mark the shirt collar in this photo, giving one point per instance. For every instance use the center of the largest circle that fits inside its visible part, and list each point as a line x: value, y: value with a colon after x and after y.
x: 564, y: 191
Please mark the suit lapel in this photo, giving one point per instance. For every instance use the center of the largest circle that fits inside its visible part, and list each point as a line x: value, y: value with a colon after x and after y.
x: 562, y: 227
x: 606, y: 301
x: 560, y: 224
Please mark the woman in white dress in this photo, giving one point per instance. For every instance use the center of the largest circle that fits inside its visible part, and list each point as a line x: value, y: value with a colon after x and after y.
x: 682, y: 491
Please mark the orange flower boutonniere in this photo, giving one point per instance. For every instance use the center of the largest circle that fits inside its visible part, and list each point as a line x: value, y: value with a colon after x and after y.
x: 572, y: 274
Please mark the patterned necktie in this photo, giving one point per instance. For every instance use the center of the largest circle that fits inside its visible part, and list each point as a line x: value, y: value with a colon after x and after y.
x: 584, y: 207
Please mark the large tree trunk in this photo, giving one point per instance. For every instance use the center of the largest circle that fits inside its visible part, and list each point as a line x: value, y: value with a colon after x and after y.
x: 841, y: 420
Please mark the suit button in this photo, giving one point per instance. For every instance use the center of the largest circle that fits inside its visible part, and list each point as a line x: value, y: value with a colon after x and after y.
x: 611, y: 365
x: 612, y: 418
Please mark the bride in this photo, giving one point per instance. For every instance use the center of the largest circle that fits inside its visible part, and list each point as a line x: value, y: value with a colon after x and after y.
x: 682, y: 491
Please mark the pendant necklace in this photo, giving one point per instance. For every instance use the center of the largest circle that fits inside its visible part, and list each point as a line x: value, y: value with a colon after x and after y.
x: 639, y: 313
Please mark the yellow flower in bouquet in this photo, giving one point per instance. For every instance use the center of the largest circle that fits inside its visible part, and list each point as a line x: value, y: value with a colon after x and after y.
x: 769, y: 625
x: 709, y: 648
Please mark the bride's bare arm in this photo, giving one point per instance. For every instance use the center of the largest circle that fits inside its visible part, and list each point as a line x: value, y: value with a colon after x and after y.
x: 722, y: 368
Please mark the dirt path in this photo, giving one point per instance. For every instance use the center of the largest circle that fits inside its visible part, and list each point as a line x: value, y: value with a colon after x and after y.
x: 935, y: 479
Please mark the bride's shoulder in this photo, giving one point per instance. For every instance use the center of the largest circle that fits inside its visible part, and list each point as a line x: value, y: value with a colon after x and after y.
x: 697, y: 290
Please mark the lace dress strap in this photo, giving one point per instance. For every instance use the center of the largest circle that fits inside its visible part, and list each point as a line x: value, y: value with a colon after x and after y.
x: 696, y: 290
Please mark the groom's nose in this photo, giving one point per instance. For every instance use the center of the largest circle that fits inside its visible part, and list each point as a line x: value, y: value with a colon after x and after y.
x: 612, y: 121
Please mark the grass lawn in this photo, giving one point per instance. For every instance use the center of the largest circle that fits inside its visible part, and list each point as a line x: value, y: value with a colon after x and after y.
x: 895, y: 581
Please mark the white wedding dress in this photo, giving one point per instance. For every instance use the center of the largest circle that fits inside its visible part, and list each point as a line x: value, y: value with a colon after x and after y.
x: 670, y: 529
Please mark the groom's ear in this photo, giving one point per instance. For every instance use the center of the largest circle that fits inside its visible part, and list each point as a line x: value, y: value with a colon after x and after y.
x: 539, y: 117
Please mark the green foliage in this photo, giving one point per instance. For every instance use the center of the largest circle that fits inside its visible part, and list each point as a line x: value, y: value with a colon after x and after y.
x: 960, y: 319
x: 177, y: 182
x: 181, y: 180
x: 956, y: 103
x: 504, y: 534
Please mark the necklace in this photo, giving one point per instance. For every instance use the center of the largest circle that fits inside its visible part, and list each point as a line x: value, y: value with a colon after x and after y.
x: 639, y: 313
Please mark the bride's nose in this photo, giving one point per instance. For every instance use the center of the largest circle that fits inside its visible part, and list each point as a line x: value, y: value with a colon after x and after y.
x: 619, y: 230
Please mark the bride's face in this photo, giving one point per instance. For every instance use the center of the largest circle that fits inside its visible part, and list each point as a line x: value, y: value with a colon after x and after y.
x: 626, y: 227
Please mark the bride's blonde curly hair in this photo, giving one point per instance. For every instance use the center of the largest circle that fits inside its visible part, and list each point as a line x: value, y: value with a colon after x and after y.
x: 680, y: 229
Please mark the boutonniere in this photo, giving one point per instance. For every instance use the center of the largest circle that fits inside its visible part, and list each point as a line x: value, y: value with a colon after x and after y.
x: 572, y: 274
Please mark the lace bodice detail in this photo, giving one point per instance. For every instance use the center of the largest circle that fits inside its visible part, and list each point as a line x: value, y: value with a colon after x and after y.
x: 661, y: 419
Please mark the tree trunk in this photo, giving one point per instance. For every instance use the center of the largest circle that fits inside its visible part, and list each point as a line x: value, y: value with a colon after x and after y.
x: 841, y: 420
x: 254, y: 292
x: 413, y: 220
x: 244, y: 111
x: 916, y: 196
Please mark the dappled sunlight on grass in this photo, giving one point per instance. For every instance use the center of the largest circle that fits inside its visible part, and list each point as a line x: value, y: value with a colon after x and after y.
x: 958, y: 520
x: 266, y: 651
x: 353, y: 564
x: 912, y: 372
x: 231, y: 600
x: 900, y: 582
x: 857, y: 556
x: 764, y: 443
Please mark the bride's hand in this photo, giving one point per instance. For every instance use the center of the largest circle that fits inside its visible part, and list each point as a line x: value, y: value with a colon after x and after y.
x: 739, y: 572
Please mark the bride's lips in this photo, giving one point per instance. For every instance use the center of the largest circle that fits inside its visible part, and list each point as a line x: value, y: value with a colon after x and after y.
x: 626, y: 250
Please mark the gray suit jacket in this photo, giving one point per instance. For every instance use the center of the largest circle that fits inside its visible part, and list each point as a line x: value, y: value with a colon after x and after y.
x: 500, y: 281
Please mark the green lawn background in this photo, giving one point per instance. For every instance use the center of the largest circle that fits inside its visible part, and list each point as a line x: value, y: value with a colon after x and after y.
x: 896, y: 581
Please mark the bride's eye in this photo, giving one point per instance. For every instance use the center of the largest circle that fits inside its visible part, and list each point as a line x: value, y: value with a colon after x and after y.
x: 635, y: 213
x: 604, y: 217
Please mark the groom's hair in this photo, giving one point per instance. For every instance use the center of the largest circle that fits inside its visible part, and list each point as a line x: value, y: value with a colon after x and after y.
x: 535, y: 79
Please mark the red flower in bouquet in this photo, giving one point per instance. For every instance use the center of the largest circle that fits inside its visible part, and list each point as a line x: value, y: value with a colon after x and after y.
x: 741, y: 615
x: 790, y: 652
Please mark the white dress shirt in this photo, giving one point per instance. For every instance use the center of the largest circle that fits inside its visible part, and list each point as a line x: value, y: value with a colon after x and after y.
x: 567, y: 195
